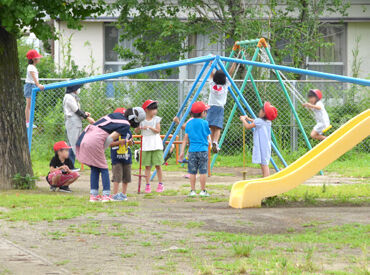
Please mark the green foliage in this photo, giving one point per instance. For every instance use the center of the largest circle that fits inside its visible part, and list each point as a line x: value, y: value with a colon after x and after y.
x: 160, y: 33
x: 24, y: 182
x: 15, y: 16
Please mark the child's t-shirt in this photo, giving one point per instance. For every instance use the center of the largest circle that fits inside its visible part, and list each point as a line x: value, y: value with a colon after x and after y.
x: 151, y: 141
x: 198, y: 132
x: 321, y: 116
x: 31, y: 68
x: 218, y: 94
x: 121, y: 153
x: 261, y: 141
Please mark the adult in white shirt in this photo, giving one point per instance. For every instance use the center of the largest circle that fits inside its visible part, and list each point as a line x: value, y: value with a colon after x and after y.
x: 73, y: 116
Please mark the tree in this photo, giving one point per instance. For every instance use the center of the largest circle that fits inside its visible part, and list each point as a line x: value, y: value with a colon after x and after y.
x: 160, y: 29
x: 15, y: 16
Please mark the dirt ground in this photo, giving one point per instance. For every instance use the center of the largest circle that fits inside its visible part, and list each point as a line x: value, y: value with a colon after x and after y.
x: 141, y: 241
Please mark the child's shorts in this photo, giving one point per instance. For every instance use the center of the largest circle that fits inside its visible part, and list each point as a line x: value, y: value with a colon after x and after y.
x: 27, y: 89
x: 152, y: 158
x: 319, y: 127
x: 198, y: 161
x: 121, y: 172
x: 215, y: 116
x: 64, y: 178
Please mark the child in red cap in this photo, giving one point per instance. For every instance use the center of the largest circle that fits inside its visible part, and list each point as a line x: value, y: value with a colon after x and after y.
x: 62, y: 172
x: 152, y: 151
x: 261, y: 136
x: 197, y: 133
x: 321, y: 116
x: 32, y: 81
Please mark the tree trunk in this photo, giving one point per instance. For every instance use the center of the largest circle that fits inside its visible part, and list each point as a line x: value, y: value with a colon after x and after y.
x: 14, y: 154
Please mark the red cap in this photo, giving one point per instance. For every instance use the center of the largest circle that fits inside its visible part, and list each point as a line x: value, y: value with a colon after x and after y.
x: 199, y: 107
x: 147, y: 103
x: 33, y: 54
x: 120, y: 110
x: 61, y: 145
x: 270, y: 111
x: 317, y: 92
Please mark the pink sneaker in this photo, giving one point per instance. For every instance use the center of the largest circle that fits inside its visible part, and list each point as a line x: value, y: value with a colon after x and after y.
x: 187, y: 176
x: 148, y: 189
x: 95, y: 198
x: 107, y: 198
x: 160, y: 188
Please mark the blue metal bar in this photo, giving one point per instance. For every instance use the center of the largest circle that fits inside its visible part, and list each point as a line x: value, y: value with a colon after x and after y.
x: 128, y: 72
x: 244, y: 113
x: 182, y: 108
x: 188, y: 110
x: 248, y: 107
x: 32, y: 115
x: 340, y: 78
x: 185, y: 101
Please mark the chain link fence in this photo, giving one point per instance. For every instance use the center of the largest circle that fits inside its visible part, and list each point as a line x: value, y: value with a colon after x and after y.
x: 343, y: 101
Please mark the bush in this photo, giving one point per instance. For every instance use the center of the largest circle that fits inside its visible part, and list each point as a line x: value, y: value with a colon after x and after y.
x: 24, y: 182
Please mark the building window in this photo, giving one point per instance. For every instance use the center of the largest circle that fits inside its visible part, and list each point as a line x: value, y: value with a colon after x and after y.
x: 202, y: 46
x: 112, y: 62
x: 331, y: 59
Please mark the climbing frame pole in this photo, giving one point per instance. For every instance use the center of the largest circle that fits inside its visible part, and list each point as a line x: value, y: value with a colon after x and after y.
x: 230, y: 118
x: 245, y: 104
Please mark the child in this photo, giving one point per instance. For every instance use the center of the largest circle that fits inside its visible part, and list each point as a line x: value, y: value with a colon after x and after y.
x: 61, y: 169
x: 217, y: 100
x: 73, y: 116
x: 261, y: 136
x: 197, y: 134
x: 32, y: 81
x: 121, y: 163
x: 91, y: 145
x: 152, y: 143
x: 321, y: 116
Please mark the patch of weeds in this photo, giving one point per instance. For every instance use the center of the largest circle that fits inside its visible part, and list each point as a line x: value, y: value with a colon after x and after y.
x: 190, y: 200
x: 308, y: 264
x: 194, y: 224
x: 209, y: 247
x: 146, y: 244
x: 64, y: 262
x: 313, y: 223
x: 309, y: 198
x: 169, y: 192
x: 24, y: 182
x: 149, y: 196
x: 169, y: 266
x: 127, y: 255
x: 273, y: 201
x: 171, y: 223
x: 181, y: 250
x: 57, y: 235
x: 215, y: 199
x: 242, y: 250
x: 206, y: 269
x: 290, y: 230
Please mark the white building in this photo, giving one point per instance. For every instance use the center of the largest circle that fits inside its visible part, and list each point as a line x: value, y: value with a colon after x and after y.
x: 98, y: 38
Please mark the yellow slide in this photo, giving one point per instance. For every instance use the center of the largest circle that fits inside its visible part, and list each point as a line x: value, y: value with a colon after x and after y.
x: 250, y: 193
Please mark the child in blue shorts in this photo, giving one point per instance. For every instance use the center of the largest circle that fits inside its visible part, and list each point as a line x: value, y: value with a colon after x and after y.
x: 197, y: 133
x: 218, y: 90
x: 261, y: 136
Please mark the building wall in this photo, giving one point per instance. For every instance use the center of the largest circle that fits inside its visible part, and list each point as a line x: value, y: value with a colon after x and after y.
x: 359, y: 30
x: 86, y: 42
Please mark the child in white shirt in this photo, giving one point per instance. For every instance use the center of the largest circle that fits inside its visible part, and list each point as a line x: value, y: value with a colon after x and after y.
x: 321, y: 116
x: 152, y: 145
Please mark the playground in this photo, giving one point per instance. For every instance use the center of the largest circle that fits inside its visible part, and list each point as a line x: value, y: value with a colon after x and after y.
x: 310, y: 216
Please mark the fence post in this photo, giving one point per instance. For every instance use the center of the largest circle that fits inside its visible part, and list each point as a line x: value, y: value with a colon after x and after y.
x: 293, y: 129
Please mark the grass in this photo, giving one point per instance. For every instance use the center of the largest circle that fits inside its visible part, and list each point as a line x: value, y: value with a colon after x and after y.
x: 351, y: 164
x: 34, y: 206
